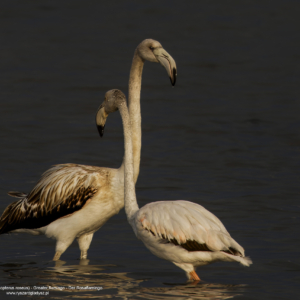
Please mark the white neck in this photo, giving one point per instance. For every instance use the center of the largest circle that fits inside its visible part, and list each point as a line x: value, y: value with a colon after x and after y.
x: 134, y: 95
x: 131, y: 206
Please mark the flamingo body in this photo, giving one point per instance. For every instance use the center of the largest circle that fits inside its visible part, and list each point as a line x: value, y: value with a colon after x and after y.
x: 70, y: 201
x: 186, y: 234
x: 180, y: 231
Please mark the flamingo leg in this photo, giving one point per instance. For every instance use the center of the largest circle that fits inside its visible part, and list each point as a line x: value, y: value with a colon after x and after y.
x: 57, y: 255
x: 194, y: 276
x: 84, y: 242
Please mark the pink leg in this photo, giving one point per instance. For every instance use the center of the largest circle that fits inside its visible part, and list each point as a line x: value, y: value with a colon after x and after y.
x: 194, y: 276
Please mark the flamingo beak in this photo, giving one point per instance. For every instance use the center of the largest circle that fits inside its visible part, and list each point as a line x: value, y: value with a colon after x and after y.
x: 101, y: 117
x: 167, y: 61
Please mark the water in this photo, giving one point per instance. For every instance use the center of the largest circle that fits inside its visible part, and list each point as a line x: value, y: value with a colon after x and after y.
x: 227, y: 136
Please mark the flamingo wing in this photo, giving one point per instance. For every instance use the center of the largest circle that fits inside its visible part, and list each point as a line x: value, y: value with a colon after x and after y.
x: 62, y: 190
x: 188, y: 225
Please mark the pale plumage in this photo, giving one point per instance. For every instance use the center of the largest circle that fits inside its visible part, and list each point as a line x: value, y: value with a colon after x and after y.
x: 73, y: 201
x: 186, y: 234
x: 182, y: 232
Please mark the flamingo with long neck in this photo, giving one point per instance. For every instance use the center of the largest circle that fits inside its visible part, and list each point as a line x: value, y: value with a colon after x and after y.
x: 73, y: 201
x: 182, y: 232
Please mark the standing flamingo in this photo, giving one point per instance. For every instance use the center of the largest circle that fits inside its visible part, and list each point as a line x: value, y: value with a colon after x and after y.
x: 73, y: 201
x: 182, y: 232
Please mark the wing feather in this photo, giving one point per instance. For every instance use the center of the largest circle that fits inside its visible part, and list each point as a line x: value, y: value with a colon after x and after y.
x: 62, y: 190
x: 17, y: 194
x: 188, y: 225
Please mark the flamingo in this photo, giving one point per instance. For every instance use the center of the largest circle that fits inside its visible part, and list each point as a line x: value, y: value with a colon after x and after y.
x: 73, y: 201
x: 180, y: 231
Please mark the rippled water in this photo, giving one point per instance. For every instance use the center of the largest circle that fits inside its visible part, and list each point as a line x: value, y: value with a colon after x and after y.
x: 227, y: 136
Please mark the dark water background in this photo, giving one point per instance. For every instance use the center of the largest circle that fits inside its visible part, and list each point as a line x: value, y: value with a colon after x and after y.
x: 227, y: 136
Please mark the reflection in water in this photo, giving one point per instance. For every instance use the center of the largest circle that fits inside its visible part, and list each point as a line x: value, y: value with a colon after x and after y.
x: 189, y: 291
x: 72, y: 281
x: 84, y: 275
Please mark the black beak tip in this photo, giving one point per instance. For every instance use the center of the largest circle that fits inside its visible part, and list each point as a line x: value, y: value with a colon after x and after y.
x: 173, y: 78
x: 101, y: 130
x: 173, y: 81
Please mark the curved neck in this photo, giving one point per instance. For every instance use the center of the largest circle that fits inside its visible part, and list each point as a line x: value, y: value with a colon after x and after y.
x: 131, y: 206
x: 134, y: 107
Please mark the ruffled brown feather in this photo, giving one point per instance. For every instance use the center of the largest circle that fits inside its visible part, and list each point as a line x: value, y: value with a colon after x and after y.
x: 62, y: 190
x: 26, y: 214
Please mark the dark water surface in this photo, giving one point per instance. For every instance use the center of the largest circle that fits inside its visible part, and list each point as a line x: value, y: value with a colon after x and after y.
x: 227, y: 136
